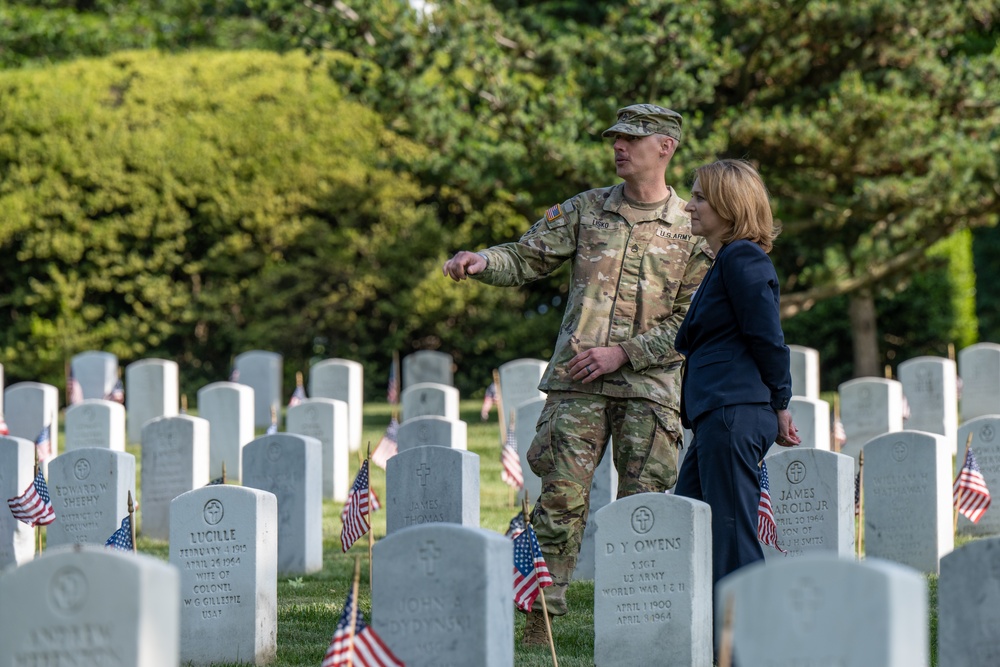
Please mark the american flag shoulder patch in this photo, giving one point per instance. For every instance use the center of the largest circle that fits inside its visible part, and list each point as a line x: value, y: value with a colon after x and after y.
x: 554, y: 213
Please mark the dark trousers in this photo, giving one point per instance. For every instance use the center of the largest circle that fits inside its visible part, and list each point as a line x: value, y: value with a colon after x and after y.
x: 720, y: 468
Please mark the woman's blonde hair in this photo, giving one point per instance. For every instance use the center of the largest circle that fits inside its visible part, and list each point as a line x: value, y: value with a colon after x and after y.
x: 738, y: 194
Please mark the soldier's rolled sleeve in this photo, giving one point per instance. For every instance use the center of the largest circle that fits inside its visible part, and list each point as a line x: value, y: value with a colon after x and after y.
x: 656, y: 346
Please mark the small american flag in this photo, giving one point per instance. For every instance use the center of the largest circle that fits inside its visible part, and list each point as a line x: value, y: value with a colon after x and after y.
x: 298, y: 396
x: 121, y: 539
x: 392, y: 392
x: 271, y: 429
x: 767, y: 532
x: 531, y: 574
x: 4, y: 429
x: 374, y: 504
x: 839, y: 434
x: 43, y: 443
x: 857, y: 494
x: 516, y: 526
x: 33, y: 507
x: 511, y: 472
x: 355, y: 514
x: 388, y: 446
x: 117, y: 393
x: 972, y: 498
x: 74, y: 392
x: 488, y: 400
x: 364, y: 649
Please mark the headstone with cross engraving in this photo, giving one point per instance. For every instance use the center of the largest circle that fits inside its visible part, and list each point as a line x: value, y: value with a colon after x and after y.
x: 224, y: 542
x: 95, y: 423
x: 823, y: 610
x: 812, y: 499
x: 979, y: 368
x: 869, y: 407
x: 519, y: 383
x: 804, y: 363
x: 153, y: 391
x: 986, y: 450
x: 17, y: 463
x: 96, y: 372
x: 326, y: 420
x: 969, y: 605
x: 930, y: 385
x: 653, y: 582
x: 228, y: 407
x: 174, y: 461
x: 908, y: 499
x: 261, y: 370
x: 90, y: 605
x: 812, y: 419
x: 428, y: 366
x: 341, y: 380
x: 428, y: 398
x: 431, y: 485
x: 432, y: 431
x: 89, y: 488
x: 442, y: 593
x: 288, y: 465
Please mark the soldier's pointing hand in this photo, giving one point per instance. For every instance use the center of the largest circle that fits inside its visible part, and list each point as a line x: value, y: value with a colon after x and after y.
x: 464, y: 264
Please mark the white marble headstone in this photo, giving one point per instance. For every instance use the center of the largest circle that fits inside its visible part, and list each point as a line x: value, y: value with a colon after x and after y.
x: 930, y: 385
x: 653, y: 582
x: 341, y: 380
x: 89, y: 488
x: 326, y: 420
x: 804, y: 363
x: 428, y: 366
x: 812, y: 499
x: 228, y: 408
x: 986, y: 449
x: 17, y: 464
x: 431, y: 485
x: 869, y: 407
x: 519, y: 383
x: 823, y: 610
x: 421, y: 400
x: 433, y: 431
x: 224, y: 542
x: 908, y: 499
x: 30, y: 407
x: 96, y: 372
x: 442, y: 595
x: 969, y: 606
x: 174, y: 461
x: 288, y: 465
x: 979, y: 368
x: 153, y: 391
x: 95, y: 422
x: 90, y: 605
x: 261, y: 371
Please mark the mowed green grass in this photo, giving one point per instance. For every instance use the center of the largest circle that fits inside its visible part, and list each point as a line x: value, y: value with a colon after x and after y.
x: 309, y: 606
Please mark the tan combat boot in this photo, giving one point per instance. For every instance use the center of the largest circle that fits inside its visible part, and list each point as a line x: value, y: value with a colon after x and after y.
x: 534, y: 630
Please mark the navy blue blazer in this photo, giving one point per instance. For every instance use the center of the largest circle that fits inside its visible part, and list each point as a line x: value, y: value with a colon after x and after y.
x: 731, y: 337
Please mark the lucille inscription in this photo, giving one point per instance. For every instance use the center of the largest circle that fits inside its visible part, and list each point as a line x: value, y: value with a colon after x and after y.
x: 212, y: 556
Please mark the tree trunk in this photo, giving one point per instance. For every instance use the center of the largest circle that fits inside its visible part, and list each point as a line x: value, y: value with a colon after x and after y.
x: 864, y: 333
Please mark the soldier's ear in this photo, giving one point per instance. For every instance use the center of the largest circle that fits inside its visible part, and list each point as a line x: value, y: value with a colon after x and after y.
x: 668, y: 145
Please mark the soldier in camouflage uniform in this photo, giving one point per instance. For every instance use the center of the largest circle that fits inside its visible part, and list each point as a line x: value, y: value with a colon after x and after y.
x: 614, y: 372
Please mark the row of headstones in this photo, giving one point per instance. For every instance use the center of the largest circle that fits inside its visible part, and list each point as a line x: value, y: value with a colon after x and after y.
x: 442, y: 596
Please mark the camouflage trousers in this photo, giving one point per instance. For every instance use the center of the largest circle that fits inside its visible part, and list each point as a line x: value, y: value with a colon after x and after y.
x: 571, y: 436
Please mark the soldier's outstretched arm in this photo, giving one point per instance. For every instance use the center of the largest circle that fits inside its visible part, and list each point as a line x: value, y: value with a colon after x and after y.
x: 463, y: 265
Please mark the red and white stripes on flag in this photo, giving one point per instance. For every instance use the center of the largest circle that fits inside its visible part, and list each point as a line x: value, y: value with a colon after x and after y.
x: 388, y: 446
x: 531, y: 574
x: 74, y: 392
x: 33, y: 507
x: 972, y: 498
x: 355, y: 513
x: 362, y: 649
x: 767, y: 531
x: 511, y: 472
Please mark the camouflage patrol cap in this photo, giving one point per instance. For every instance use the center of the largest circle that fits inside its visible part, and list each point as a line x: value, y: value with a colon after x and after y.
x: 642, y: 120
